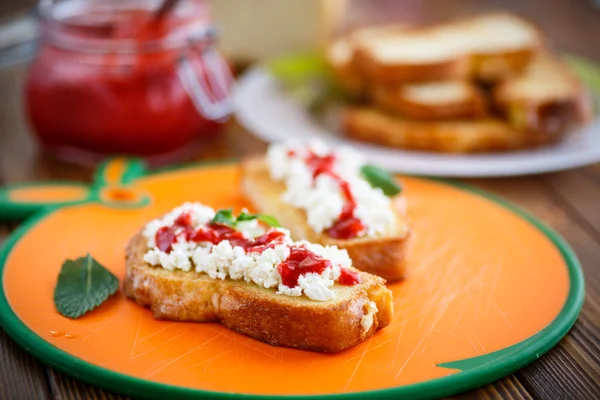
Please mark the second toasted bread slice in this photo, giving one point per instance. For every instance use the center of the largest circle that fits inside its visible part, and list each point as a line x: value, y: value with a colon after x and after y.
x: 502, y: 45
x: 434, y: 100
x: 339, y: 58
x: 383, y: 256
x: 547, y: 99
x: 446, y: 136
x: 487, y: 47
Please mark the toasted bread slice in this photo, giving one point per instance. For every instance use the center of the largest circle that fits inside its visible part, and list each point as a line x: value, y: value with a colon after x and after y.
x: 360, y: 40
x: 418, y: 58
x: 434, y: 100
x: 502, y: 45
x: 448, y: 136
x: 382, y: 256
x: 339, y: 57
x: 430, y: 100
x: 488, y: 47
x: 368, y: 35
x: 547, y: 99
x: 299, y: 322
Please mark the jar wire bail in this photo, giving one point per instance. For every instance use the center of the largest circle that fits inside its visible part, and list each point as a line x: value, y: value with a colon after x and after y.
x: 208, y: 86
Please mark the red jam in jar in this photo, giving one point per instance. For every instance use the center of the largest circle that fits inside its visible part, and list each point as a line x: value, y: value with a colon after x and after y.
x: 111, y: 79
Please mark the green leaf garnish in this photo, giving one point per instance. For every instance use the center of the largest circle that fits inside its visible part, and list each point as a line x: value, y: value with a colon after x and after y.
x: 268, y: 219
x: 226, y: 217
x: 244, y: 216
x: 379, y: 178
x: 83, y: 284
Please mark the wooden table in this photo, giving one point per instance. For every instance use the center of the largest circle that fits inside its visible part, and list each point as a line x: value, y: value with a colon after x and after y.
x: 567, y: 201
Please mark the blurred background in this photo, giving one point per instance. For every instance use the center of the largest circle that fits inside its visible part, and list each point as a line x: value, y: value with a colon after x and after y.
x: 248, y: 25
x: 249, y: 31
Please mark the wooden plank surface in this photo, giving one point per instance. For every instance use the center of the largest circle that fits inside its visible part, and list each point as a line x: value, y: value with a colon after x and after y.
x: 21, y: 375
x: 64, y: 387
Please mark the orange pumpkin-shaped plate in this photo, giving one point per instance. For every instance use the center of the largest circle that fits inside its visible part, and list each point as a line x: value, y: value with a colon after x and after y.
x: 489, y: 290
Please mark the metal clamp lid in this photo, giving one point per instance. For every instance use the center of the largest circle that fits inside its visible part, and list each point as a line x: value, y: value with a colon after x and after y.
x: 206, y: 77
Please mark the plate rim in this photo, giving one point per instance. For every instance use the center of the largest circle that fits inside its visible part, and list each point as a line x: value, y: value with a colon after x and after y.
x: 531, y: 349
x: 475, y: 170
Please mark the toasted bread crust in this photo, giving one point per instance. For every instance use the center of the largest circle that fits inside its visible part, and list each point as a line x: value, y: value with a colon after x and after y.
x: 382, y: 256
x: 348, y: 80
x: 451, y: 136
x: 457, y: 68
x: 496, y: 67
x: 297, y: 322
x: 550, y: 121
x: 493, y: 65
x: 394, y: 101
x: 338, y: 57
x: 551, y: 114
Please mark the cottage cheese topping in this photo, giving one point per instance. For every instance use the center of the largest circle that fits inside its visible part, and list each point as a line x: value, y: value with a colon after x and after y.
x: 224, y: 260
x: 201, y: 215
x: 367, y: 320
x: 322, y: 197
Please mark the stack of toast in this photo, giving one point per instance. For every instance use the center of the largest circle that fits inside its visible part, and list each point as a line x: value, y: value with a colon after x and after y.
x: 486, y: 83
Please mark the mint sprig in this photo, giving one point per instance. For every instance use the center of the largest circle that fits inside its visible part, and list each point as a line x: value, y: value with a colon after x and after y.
x: 83, y: 284
x: 379, y: 178
x: 226, y: 217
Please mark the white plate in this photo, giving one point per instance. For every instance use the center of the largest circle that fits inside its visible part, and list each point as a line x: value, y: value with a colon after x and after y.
x: 266, y: 111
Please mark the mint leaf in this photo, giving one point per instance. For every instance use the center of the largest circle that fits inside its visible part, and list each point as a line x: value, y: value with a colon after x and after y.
x: 244, y: 216
x: 269, y: 220
x: 378, y: 178
x: 83, y: 284
x: 266, y: 219
x: 224, y: 217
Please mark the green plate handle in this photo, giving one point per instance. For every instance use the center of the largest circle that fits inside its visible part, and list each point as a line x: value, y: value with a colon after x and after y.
x: 114, y: 186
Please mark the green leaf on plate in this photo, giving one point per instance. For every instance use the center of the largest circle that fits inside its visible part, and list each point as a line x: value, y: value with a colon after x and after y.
x: 379, y: 178
x: 83, y: 284
x: 308, y: 79
x: 298, y: 67
x: 224, y: 217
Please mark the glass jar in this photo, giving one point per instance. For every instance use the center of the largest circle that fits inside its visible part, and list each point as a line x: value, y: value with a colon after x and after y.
x: 111, y: 78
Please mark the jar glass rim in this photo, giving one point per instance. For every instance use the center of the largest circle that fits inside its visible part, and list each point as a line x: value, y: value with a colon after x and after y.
x: 59, y: 31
